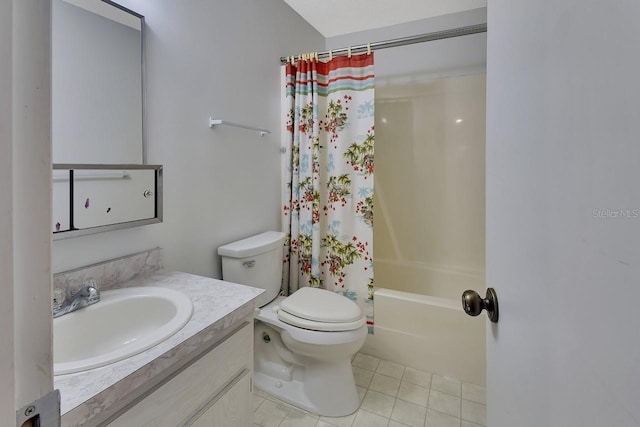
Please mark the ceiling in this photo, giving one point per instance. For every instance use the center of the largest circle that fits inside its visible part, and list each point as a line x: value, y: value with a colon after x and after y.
x: 337, y: 17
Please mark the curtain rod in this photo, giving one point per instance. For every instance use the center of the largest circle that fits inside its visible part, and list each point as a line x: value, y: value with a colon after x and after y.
x: 437, y: 35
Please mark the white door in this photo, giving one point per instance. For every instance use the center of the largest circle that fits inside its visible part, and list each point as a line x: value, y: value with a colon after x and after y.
x: 563, y: 212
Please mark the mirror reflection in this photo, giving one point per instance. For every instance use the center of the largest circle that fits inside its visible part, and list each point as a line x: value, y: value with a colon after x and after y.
x: 61, y: 200
x: 92, y: 198
x: 97, y: 83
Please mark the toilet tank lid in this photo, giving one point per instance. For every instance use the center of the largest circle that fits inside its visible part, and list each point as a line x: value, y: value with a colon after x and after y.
x: 254, y: 245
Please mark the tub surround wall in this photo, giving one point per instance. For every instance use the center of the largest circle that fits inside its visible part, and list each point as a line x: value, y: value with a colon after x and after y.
x: 423, y: 278
x: 430, y: 173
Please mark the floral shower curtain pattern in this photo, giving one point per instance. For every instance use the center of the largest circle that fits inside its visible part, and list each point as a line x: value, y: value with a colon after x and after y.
x: 328, y: 177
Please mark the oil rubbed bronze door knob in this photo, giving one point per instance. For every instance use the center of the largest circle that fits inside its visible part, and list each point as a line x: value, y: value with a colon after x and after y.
x: 473, y: 303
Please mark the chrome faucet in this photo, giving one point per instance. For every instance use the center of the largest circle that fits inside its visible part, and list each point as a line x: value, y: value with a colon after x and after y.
x: 88, y: 294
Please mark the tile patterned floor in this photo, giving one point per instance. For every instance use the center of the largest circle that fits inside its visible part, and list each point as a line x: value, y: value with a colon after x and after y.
x: 392, y: 395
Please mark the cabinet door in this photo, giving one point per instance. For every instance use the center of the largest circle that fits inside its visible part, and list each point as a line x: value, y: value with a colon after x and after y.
x: 195, y: 387
x: 233, y: 409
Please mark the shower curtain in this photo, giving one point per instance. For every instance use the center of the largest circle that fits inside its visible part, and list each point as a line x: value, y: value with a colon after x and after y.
x: 328, y: 177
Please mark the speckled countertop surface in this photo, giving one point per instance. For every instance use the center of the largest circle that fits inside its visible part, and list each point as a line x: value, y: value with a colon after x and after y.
x: 89, y: 396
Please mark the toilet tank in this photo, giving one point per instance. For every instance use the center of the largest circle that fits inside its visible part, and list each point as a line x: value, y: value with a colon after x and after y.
x: 255, y: 261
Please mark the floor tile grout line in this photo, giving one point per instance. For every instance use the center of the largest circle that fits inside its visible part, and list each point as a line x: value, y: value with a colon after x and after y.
x: 395, y: 401
x: 427, y: 408
x: 402, y: 379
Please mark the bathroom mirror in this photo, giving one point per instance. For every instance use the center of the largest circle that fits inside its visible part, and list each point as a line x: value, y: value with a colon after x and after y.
x: 92, y: 198
x: 100, y: 180
x: 97, y: 83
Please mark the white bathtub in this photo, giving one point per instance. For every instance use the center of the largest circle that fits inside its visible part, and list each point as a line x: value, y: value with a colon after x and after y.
x: 430, y: 333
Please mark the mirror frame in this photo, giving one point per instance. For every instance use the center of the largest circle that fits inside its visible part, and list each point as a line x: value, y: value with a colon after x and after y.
x: 121, y: 225
x: 142, y: 73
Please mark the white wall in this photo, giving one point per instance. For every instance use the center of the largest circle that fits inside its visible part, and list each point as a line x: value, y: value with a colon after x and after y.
x: 448, y: 57
x: 207, y: 58
x: 7, y: 385
x: 25, y: 237
x: 563, y: 166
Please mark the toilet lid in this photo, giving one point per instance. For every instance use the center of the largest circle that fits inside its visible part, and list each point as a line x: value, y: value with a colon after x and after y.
x: 319, y: 326
x: 320, y: 305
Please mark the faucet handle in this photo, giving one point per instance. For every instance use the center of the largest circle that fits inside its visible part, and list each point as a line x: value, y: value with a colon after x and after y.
x: 90, y: 290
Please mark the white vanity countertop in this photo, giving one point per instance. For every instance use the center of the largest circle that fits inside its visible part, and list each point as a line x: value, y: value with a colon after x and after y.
x: 216, y: 306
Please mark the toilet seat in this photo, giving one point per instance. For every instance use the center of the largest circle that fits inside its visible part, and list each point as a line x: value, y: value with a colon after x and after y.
x: 320, y: 310
x: 319, y: 326
x: 269, y: 315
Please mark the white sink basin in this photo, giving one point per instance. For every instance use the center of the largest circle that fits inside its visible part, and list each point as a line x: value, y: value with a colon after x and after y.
x: 123, y: 323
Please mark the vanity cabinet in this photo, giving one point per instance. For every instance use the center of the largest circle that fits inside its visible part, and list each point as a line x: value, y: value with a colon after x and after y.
x: 215, y: 390
x: 231, y: 408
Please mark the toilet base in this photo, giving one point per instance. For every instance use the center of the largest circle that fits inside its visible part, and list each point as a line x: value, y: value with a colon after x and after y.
x: 293, y: 392
x: 308, y: 369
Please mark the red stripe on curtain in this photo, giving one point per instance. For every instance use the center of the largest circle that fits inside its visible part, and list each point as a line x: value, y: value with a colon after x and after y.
x: 303, y: 66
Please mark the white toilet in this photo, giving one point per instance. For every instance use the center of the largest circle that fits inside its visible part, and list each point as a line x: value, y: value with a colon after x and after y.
x: 303, y: 343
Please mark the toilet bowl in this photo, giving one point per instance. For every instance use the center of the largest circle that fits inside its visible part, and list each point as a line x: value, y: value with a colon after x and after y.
x: 303, y: 344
